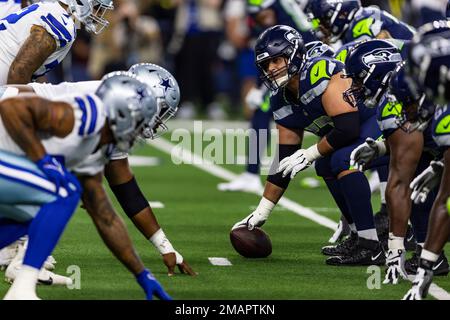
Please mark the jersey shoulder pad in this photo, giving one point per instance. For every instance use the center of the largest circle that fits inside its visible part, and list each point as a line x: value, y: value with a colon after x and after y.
x: 366, y: 24
x: 316, y: 76
x: 57, y: 22
x: 441, y: 126
x: 319, y: 69
x: 342, y: 53
x: 90, y: 114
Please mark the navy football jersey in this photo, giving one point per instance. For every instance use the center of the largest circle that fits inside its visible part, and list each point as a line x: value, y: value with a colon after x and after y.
x: 306, y: 111
x: 370, y: 21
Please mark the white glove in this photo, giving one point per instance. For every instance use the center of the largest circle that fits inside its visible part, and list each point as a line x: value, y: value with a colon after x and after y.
x: 367, y: 152
x: 299, y: 161
x: 421, y: 284
x: 255, y: 98
x: 426, y: 181
x: 258, y: 217
x: 395, y: 261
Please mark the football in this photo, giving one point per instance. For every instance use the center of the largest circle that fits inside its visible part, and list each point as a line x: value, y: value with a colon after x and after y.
x: 251, y: 243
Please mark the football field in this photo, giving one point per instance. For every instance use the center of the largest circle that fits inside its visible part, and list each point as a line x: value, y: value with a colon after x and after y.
x: 197, y: 219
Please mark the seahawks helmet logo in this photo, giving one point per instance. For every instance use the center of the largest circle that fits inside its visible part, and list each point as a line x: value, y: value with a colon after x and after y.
x: 380, y: 56
x: 292, y: 36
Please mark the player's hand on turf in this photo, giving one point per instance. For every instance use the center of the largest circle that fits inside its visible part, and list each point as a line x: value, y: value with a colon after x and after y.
x: 395, y: 261
x: 365, y: 153
x: 421, y: 284
x: 57, y: 174
x: 173, y: 259
x: 295, y: 163
x: 426, y: 181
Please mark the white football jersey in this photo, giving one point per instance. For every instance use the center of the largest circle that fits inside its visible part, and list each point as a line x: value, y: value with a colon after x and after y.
x: 53, y: 91
x: 9, y: 6
x: 80, y: 144
x: 15, y: 29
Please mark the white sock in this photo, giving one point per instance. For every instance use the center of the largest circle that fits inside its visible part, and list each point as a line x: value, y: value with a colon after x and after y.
x: 370, y: 234
x: 428, y: 255
x: 352, y: 227
x: 383, y: 192
x: 395, y: 243
x: 26, y: 279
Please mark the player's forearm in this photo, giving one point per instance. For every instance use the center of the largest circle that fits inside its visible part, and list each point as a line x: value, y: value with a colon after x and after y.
x: 110, y: 226
x: 272, y: 192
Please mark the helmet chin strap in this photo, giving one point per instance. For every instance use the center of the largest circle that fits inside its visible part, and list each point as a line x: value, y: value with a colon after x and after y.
x: 281, y: 81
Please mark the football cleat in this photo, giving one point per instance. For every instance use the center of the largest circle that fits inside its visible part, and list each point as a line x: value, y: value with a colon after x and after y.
x: 366, y: 252
x: 45, y: 277
x: 440, y: 267
x: 7, y: 254
x: 410, y: 240
x: 343, y: 248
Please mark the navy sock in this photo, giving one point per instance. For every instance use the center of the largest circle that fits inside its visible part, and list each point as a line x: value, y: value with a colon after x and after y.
x: 11, y: 230
x: 356, y: 191
x: 258, y: 143
x: 46, y: 229
x: 335, y: 190
x: 419, y: 217
x: 383, y: 173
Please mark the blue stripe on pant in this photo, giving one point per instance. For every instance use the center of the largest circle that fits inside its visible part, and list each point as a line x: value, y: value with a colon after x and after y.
x: 23, y: 187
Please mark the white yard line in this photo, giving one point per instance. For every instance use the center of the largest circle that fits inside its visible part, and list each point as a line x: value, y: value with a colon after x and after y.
x: 156, y: 204
x: 219, y: 261
x: 208, y: 166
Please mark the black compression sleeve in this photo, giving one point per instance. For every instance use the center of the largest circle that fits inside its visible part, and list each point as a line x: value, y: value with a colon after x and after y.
x: 130, y: 197
x: 346, y: 129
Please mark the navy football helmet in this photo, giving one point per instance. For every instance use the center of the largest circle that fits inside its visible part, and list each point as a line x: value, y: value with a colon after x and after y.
x: 429, y: 60
x: 416, y: 110
x: 333, y: 17
x: 370, y: 64
x: 279, y: 41
x: 317, y: 49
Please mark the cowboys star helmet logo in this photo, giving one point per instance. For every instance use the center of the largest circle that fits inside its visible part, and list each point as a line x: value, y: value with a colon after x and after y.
x: 381, y: 55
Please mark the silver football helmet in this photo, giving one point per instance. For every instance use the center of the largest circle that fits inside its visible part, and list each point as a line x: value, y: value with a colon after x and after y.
x: 131, y: 106
x: 90, y: 13
x: 167, y: 94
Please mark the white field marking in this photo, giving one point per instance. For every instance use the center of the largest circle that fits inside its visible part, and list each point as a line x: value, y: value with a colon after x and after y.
x: 438, y: 292
x: 156, y: 204
x: 139, y: 161
x: 208, y: 166
x: 217, y: 261
x: 324, y: 209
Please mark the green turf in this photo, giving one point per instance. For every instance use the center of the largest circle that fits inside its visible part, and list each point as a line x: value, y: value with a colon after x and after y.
x: 197, y: 219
